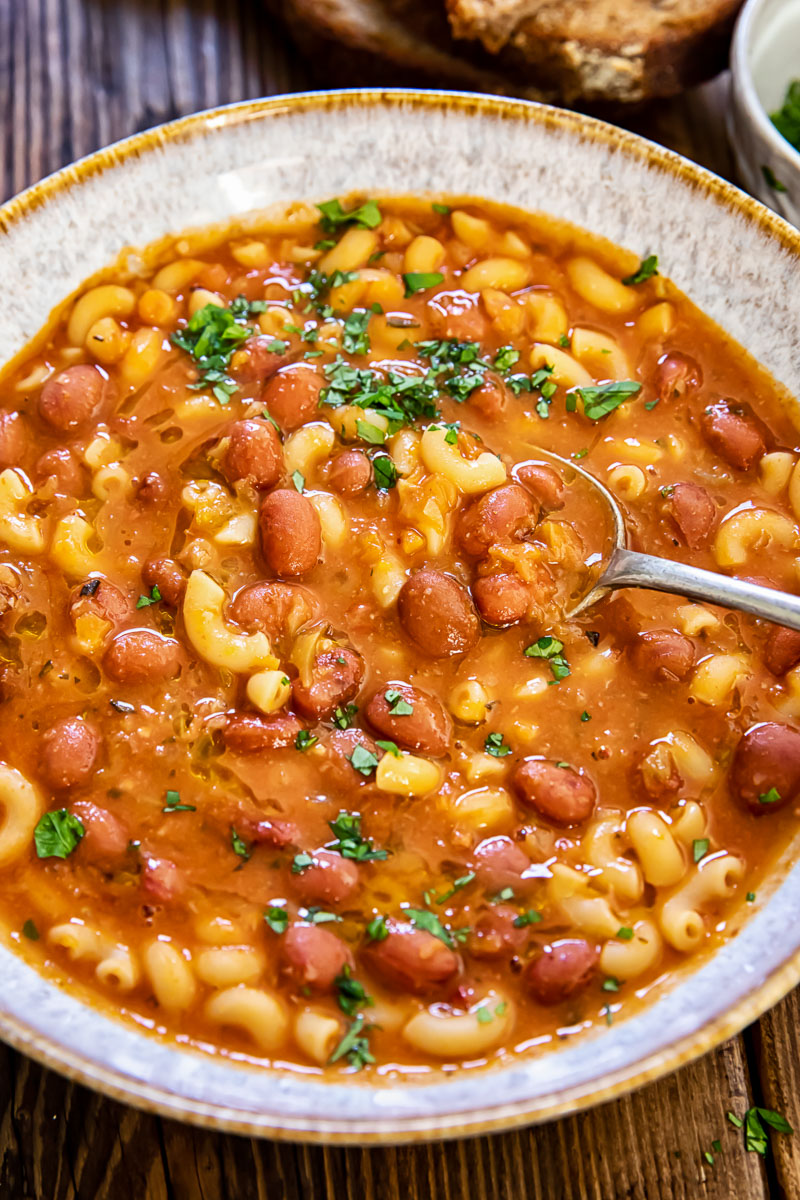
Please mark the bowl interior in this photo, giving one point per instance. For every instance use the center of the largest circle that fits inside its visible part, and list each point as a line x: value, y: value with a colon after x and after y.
x: 774, y: 50
x: 737, y: 261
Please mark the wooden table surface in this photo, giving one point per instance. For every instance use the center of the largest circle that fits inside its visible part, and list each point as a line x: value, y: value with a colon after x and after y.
x: 74, y: 75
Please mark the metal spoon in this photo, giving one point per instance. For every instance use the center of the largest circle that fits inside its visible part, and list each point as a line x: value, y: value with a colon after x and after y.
x: 629, y: 568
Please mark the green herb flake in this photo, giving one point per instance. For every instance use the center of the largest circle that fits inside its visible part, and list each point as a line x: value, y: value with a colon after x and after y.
x: 344, y: 717
x: 563, y: 340
x: 755, y: 1135
x: 787, y: 119
x: 734, y: 1120
x: 57, y: 834
x: 362, y: 760
x: 377, y: 930
x: 420, y: 281
x: 772, y: 796
x: 529, y: 917
x: 647, y: 268
x: 484, y: 1015
x: 350, y: 842
x: 504, y: 894
x: 611, y: 984
x: 30, y: 931
x: 370, y: 433
x: 350, y: 993
x: 550, y: 648
x: 210, y: 338
x: 354, y: 1047
x: 356, y: 339
x: 772, y: 180
x: 299, y: 480
x: 153, y: 598
x: 709, y: 1157
x: 602, y: 399
x: 277, y: 919
x: 398, y: 705
x: 240, y: 847
x: 389, y: 747
x: 625, y: 933
x: 750, y: 897
x: 421, y: 918
x: 456, y: 886
x: 173, y: 804
x: 495, y: 745
x: 385, y: 472
x: 305, y: 740
x: 585, y: 716
x: 443, y: 210
x: 301, y: 862
x: 699, y: 848
x: 368, y: 216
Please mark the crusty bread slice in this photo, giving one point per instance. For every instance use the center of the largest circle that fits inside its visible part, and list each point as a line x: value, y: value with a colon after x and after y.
x: 621, y: 51
x: 361, y: 42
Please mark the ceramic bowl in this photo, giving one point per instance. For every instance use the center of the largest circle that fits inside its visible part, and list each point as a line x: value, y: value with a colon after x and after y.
x: 734, y: 258
x: 765, y: 58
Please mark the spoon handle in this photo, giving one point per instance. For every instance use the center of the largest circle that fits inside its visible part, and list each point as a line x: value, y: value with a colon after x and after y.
x: 628, y: 568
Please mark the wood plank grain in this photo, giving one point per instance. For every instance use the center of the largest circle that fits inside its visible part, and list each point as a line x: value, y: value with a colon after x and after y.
x: 776, y: 1051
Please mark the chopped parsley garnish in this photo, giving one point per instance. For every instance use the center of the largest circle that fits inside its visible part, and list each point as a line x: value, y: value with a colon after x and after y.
x: 750, y: 897
x: 299, y: 480
x: 370, y: 433
x: 601, y: 400
x: 377, y: 930
x: 350, y: 842
x: 240, y: 847
x: 650, y: 404
x: 444, y: 210
x: 787, y: 119
x: 318, y: 916
x: 647, y: 268
x: 398, y: 705
x: 772, y: 181
x: 529, y: 917
x: 30, y: 931
x: 153, y: 598
x: 420, y: 918
x: 611, y: 984
x: 350, y: 993
x: 505, y: 358
x: 343, y: 717
x: 755, y: 1135
x: 385, y: 471
x: 401, y: 399
x: 173, y: 804
x: 585, y: 716
x: 210, y: 338
x: 505, y: 893
x: 362, y: 760
x: 563, y: 340
x: 420, y: 281
x: 495, y: 745
x: 456, y: 886
x: 389, y: 747
x: 699, y: 848
x: 770, y: 797
x: 305, y: 740
x: 242, y: 308
x: 277, y: 919
x: 354, y: 1047
x: 625, y: 933
x: 355, y: 340
x: 301, y: 862
x: 549, y: 648
x: 368, y: 216
x: 57, y: 834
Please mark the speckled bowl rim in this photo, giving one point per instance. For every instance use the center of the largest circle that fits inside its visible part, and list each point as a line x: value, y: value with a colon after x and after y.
x: 491, y: 1109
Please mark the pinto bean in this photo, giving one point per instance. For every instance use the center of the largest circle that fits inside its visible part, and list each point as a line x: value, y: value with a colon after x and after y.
x: 153, y: 489
x: 458, y: 314
x: 733, y: 432
x: 61, y: 465
x: 161, y: 878
x: 501, y: 863
x: 437, y: 613
x: 138, y: 656
x: 73, y: 396
x: 349, y: 473
x: 410, y: 959
x: 69, y: 752
x: 168, y: 577
x: 255, y: 362
x: 663, y: 654
x: 106, y: 839
x: 292, y: 395
x: 315, y: 956
x: 329, y: 880
x: 502, y: 599
x: 494, y: 934
x: 767, y: 761
x: 335, y: 678
x: 427, y: 728
x: 253, y: 453
x: 246, y: 733
x: 782, y: 650
x: 491, y: 398
x: 13, y: 438
x: 694, y: 512
x: 275, y: 608
x: 544, y: 483
x: 560, y: 793
x: 338, y: 749
x: 291, y: 537
x: 677, y: 376
x: 562, y: 969
x: 100, y: 598
x: 504, y: 513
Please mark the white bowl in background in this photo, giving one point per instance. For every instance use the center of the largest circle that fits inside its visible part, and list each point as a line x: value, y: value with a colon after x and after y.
x: 765, y: 58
